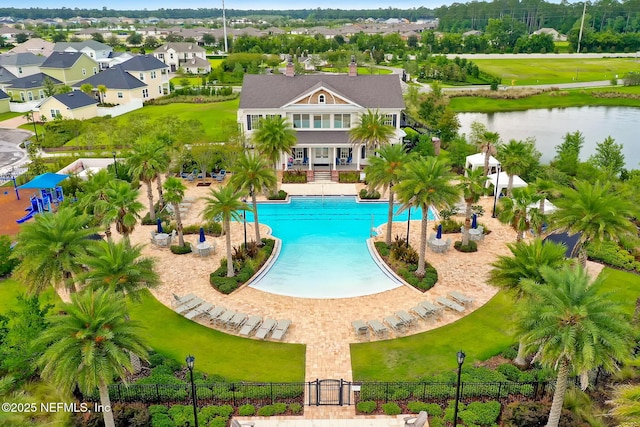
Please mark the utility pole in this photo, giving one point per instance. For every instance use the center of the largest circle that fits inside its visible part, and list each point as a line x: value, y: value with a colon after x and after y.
x: 584, y: 11
x: 224, y: 29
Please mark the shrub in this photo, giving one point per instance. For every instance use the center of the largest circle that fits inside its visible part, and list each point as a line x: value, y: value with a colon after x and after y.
x: 280, y: 195
x: 246, y: 410
x: 161, y: 420
x: 181, y: 414
x: 481, y: 413
x: 432, y: 409
x: 7, y: 264
x: 349, y: 177
x: 450, y: 226
x: 279, y: 408
x: 295, y: 408
x: 403, y: 253
x: 401, y: 394
x: 156, y: 359
x: 210, y: 412
x: 614, y: 255
x: 181, y: 250
x: 391, y: 408
x: 367, y: 194
x: 510, y: 371
x: 268, y: 411
x: 383, y: 248
x: 534, y: 414
x: 367, y: 406
x: 294, y: 177
x: 210, y: 228
x: 218, y: 422
x: 471, y: 247
x: 158, y: 409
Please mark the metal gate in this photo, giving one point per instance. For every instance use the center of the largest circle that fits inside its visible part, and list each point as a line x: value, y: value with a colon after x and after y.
x: 329, y: 392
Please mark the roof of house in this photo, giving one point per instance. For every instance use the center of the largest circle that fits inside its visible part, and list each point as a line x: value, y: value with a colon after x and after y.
x: 21, y: 59
x: 75, y: 99
x: 36, y: 46
x: 368, y: 91
x: 113, y: 78
x: 196, y: 61
x: 78, y: 46
x: 180, y: 47
x: 35, y: 80
x: 62, y: 59
x: 322, y: 137
x: 6, y: 75
x: 143, y: 63
x: 3, y: 95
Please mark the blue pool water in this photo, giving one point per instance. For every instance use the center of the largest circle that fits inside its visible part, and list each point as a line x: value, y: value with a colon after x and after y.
x: 324, y: 251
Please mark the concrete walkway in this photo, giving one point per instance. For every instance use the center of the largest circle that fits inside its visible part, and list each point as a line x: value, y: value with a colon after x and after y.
x: 299, y: 422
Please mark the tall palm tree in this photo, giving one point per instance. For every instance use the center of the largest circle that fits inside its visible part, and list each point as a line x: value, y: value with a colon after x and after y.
x: 226, y: 203
x: 273, y: 137
x: 472, y: 186
x: 119, y: 267
x: 516, y: 211
x: 371, y: 130
x: 524, y: 263
x: 574, y: 327
x: 595, y: 211
x: 145, y: 162
x: 252, y: 174
x: 90, y: 344
x: 383, y: 171
x: 423, y: 183
x: 94, y: 201
x: 545, y: 189
x: 516, y: 158
x: 174, y: 193
x: 486, y: 142
x: 122, y: 207
x: 50, y: 248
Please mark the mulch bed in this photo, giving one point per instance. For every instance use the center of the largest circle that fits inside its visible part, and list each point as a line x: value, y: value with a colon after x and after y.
x: 12, y: 209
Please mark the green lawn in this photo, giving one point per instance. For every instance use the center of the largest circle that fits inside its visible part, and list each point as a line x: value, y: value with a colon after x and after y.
x: 215, y: 62
x: 10, y: 290
x: 361, y: 70
x: 193, y: 81
x: 482, y: 334
x: 556, y: 70
x: 9, y: 115
x: 232, y: 357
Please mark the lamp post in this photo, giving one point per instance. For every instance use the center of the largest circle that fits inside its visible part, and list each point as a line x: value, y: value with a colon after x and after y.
x: 460, y: 357
x: 408, y: 226
x: 115, y: 163
x: 35, y: 128
x: 495, y: 193
x: 190, y: 361
x: 244, y: 221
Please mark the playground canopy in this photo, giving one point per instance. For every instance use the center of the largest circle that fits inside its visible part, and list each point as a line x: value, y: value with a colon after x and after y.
x: 46, y: 180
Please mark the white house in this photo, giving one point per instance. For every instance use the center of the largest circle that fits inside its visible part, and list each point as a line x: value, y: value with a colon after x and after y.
x: 175, y: 54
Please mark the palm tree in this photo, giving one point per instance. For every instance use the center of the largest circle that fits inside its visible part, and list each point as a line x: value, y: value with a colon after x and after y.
x: 545, y: 189
x: 226, y: 203
x: 50, y: 248
x: 626, y: 405
x: 524, y: 263
x: 174, y: 193
x: 517, y: 158
x: 102, y: 90
x: 574, y: 327
x: 472, y: 186
x: 273, y: 137
x: 94, y: 200
x: 486, y: 142
x: 424, y: 183
x: 120, y: 268
x: 516, y: 211
x: 145, y: 162
x: 596, y: 212
x: 383, y: 170
x: 371, y: 130
x: 252, y: 174
x: 122, y: 207
x: 90, y: 345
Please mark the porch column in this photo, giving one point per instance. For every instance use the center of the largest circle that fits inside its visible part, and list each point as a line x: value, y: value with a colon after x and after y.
x: 358, y: 156
x: 335, y: 157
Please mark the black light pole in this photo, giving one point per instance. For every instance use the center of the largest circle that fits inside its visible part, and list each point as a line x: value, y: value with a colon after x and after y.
x: 35, y: 128
x: 495, y: 193
x: 461, y: 357
x: 115, y: 163
x: 408, y: 225
x: 244, y: 220
x: 190, y: 361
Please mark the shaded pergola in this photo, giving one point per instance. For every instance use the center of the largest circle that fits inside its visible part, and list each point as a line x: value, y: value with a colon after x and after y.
x: 475, y: 161
x: 46, y: 181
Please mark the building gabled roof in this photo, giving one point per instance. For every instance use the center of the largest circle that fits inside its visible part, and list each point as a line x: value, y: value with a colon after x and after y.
x: 62, y: 59
x: 36, y: 46
x: 75, y: 99
x: 143, y: 63
x: 33, y: 81
x: 78, y: 46
x: 3, y: 95
x: 180, y: 47
x: 196, y: 61
x: 6, y: 75
x: 21, y: 59
x: 275, y: 91
x: 113, y: 78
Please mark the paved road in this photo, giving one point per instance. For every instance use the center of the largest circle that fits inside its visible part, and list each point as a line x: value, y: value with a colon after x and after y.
x: 11, y: 154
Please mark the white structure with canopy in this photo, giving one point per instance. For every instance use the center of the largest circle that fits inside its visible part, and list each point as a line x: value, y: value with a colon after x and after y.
x: 475, y: 161
x: 503, y: 181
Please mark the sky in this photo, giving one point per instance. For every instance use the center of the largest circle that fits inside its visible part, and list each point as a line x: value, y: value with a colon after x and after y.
x: 229, y: 4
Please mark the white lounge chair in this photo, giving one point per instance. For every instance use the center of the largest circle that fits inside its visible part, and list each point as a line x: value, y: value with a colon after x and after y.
x: 225, y: 318
x: 281, y: 329
x: 181, y: 300
x: 418, y: 421
x: 215, y: 313
x: 237, y: 320
x: 250, y: 325
x: 199, y: 311
x: 395, y: 323
x: 406, y: 318
x: 422, y: 312
x: 461, y: 298
x: 451, y: 305
x: 266, y: 328
x: 360, y: 328
x: 432, y: 308
x: 377, y: 327
x: 189, y: 305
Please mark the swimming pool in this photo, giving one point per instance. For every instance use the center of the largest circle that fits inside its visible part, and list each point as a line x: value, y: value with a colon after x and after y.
x: 324, y: 251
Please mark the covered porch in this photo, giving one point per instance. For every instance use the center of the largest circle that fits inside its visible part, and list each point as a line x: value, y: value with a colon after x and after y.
x: 326, y: 151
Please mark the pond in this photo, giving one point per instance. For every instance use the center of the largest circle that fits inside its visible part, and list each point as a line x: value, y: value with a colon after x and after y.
x: 548, y: 127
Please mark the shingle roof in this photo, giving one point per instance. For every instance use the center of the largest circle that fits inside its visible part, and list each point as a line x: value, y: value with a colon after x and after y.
x: 5, y: 75
x: 113, y: 78
x: 196, y: 61
x: 95, y: 45
x: 322, y: 137
x: 75, y: 99
x: 180, y: 47
x: 3, y: 95
x: 35, y: 80
x: 61, y: 59
x: 143, y: 63
x: 274, y: 91
x: 21, y: 59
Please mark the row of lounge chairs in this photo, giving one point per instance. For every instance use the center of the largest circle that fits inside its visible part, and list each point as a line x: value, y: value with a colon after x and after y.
x: 218, y: 176
x: 192, y: 307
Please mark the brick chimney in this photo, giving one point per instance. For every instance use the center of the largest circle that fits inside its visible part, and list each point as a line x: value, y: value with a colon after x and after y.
x: 290, y: 71
x: 353, y: 67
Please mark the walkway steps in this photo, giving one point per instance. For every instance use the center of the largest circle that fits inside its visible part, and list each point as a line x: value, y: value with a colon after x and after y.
x: 322, y: 176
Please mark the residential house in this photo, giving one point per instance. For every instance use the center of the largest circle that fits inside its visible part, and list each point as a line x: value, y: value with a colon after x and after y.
x: 10, y: 33
x: 115, y: 58
x: 4, y: 102
x: 5, y: 75
x: 151, y: 71
x: 71, y: 105
x: 36, y: 46
x: 196, y: 65
x: 70, y: 67
x: 557, y: 37
x: 121, y: 87
x: 93, y: 49
x: 322, y: 109
x: 175, y: 54
x: 29, y: 88
x: 21, y: 64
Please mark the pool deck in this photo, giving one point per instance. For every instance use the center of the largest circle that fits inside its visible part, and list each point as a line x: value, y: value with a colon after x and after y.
x: 324, y: 325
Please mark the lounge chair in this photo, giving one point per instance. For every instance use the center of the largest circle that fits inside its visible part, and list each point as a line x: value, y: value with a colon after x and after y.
x: 377, y: 327
x: 266, y: 327
x: 215, y: 313
x: 169, y: 208
x: 422, y: 312
x: 237, y: 320
x: 418, y: 421
x: 236, y: 423
x: 189, y: 305
x: 360, y: 328
x: 451, y: 305
x: 181, y: 300
x: 250, y: 325
x: 225, y: 318
x: 395, y: 323
x: 220, y: 176
x: 198, y: 311
x: 461, y: 298
x: 281, y: 329
x: 406, y: 318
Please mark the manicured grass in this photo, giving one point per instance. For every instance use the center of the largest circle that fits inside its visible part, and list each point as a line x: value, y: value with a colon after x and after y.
x: 10, y: 289
x: 482, y: 334
x: 361, y: 70
x: 232, y: 357
x: 215, y: 62
x: 193, y: 81
x: 569, y: 98
x: 556, y: 70
x: 9, y: 115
